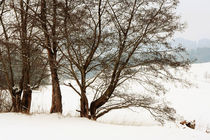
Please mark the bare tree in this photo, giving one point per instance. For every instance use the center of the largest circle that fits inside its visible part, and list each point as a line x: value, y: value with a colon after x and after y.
x: 49, y: 26
x: 142, y: 45
x: 8, y: 50
x: 25, y: 38
x: 18, y: 51
x: 101, y: 44
x: 109, y: 42
x: 82, y: 35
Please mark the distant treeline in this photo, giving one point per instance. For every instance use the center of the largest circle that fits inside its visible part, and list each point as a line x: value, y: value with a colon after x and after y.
x: 200, y: 55
x: 199, y: 51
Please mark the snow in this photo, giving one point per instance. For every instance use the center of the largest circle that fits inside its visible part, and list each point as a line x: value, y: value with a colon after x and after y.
x: 54, y: 127
x: 191, y: 104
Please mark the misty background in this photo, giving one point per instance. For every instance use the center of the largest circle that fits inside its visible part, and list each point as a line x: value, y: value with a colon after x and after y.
x: 196, y: 36
x: 199, y: 51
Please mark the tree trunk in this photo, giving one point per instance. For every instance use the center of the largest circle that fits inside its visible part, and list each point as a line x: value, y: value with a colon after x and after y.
x: 25, y: 47
x: 16, y: 100
x: 52, y: 53
x: 26, y: 101
x: 84, y: 112
x: 100, y: 102
x: 56, y: 92
x: 56, y: 95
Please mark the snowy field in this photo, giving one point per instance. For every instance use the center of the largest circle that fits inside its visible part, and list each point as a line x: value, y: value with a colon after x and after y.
x: 56, y: 127
x: 191, y: 104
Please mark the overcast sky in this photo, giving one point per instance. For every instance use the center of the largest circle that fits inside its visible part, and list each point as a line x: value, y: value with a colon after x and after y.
x: 197, y: 15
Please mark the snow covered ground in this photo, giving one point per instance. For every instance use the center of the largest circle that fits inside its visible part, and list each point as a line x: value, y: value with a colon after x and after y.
x: 191, y: 104
x: 194, y: 103
x: 56, y: 127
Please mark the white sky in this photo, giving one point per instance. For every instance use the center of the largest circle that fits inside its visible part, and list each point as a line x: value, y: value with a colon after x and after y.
x: 197, y: 15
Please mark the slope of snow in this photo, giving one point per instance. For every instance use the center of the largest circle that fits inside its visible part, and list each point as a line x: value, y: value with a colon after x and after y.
x: 56, y: 127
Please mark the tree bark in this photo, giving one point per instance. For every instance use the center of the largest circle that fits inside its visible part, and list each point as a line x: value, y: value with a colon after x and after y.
x: 52, y: 53
x: 16, y: 100
x: 25, y: 47
x: 84, y: 112
x: 100, y: 101
x: 26, y: 101
x: 56, y: 92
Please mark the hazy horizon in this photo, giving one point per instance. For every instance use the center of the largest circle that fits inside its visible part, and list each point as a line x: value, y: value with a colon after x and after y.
x: 196, y: 13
